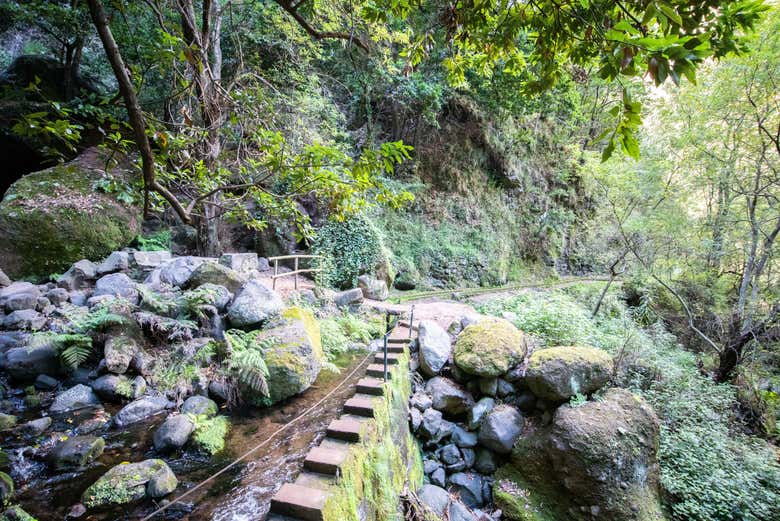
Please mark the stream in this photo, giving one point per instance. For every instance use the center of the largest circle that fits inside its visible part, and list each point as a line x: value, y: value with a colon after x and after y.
x: 241, y: 494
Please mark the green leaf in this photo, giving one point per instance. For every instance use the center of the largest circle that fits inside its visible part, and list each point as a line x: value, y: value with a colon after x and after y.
x: 670, y: 13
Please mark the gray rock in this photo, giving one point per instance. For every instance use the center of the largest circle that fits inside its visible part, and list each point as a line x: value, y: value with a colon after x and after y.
x: 448, y: 397
x: 460, y: 512
x: 76, y: 452
x: 254, y: 304
x: 7, y: 421
x: 431, y: 423
x: 26, y: 363
x: 162, y: 483
x: 117, y: 285
x: 199, y: 405
x: 240, y: 262
x: 77, y: 397
x: 173, y: 433
x: 478, y: 412
x: 421, y: 401
x: 263, y: 264
x: 463, y: 438
x: 215, y: 273
x: 468, y: 486
x: 445, y: 430
x: 485, y: 462
x: 151, y: 259
x: 348, y: 298
x: 488, y: 386
x: 45, y: 382
x: 139, y: 387
x: 78, y: 298
x: 501, y: 428
x: 415, y: 419
x: 4, y: 279
x: 78, y: 276
x: 435, y: 347
x: 139, y: 410
x: 149, y: 478
x: 212, y: 295
x: 118, y: 352
x: 26, y: 319
x: 34, y: 427
x: 117, y: 261
x: 178, y: 271
x: 525, y: 401
x: 114, y: 388
x: 449, y: 454
x: 430, y: 465
x: 373, y: 288
x: 18, y: 296
x: 57, y: 296
x: 439, y: 477
x: 435, y: 498
x: 504, y: 388
x: 469, y: 457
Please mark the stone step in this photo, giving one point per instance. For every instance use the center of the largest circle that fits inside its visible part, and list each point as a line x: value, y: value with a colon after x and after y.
x: 305, y: 503
x: 326, y: 460
x: 361, y: 405
x: 315, y: 480
x: 378, y: 371
x: 374, y: 386
x: 392, y: 358
x: 396, y: 348
x: 346, y: 428
x: 398, y: 340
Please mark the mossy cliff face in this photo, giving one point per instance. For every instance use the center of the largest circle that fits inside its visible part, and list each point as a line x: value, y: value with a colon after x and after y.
x: 295, y: 360
x: 381, y: 466
x: 596, y: 461
x: 53, y: 218
x: 490, y: 347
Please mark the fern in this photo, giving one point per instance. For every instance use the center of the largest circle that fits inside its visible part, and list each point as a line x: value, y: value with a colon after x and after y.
x: 158, y: 303
x: 100, y: 320
x: 73, y: 348
x: 166, y: 329
x: 246, y: 365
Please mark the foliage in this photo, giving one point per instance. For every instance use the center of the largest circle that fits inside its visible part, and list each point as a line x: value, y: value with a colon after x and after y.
x: 246, y: 365
x: 166, y: 328
x: 210, y: 432
x: 340, y: 332
x: 168, y: 376
x: 154, y: 242
x: 351, y: 247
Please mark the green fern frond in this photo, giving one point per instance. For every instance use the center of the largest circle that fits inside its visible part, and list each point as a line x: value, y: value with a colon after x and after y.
x: 251, y: 370
x: 99, y: 320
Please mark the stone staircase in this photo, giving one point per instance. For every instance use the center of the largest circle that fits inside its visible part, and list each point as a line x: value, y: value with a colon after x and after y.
x: 305, y: 498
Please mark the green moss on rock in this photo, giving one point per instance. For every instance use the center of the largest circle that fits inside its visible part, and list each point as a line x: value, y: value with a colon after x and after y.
x: 53, y: 218
x: 210, y: 433
x: 16, y: 513
x: 6, y: 487
x: 128, y: 482
x: 558, y: 373
x: 490, y: 347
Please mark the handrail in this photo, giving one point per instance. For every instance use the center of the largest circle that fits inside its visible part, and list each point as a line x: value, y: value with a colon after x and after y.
x: 295, y: 271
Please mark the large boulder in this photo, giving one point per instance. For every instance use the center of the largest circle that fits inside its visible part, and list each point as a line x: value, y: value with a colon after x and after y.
x: 26, y: 363
x: 373, y: 288
x: 119, y: 351
x: 24, y: 319
x: 500, y: 429
x: 448, y: 397
x: 173, y: 433
x: 78, y: 276
x: 597, y: 460
x: 435, y: 347
x: 130, y: 482
x: 253, y: 305
x: 139, y: 410
x: 215, y: 273
x: 199, y: 406
x: 76, y: 452
x: 19, y: 295
x: 55, y: 217
x: 77, y: 397
x: 558, y: 373
x: 294, y: 359
x: 489, y: 347
x: 117, y: 285
x: 178, y: 271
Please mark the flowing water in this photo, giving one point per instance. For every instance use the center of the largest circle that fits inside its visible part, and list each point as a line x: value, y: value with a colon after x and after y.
x: 241, y: 494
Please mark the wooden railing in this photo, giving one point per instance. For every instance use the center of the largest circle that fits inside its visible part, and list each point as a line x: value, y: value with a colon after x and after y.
x: 296, y: 270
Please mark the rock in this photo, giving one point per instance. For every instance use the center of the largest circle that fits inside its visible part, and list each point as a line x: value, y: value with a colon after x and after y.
x: 558, y: 373
x: 76, y: 452
x: 431, y: 423
x: 463, y: 438
x: 485, y: 462
x: 199, y: 405
x: 58, y: 296
x: 435, y: 498
x: 600, y: 456
x: 45, y: 382
x: 415, y: 419
x: 178, y: 271
x: 78, y: 276
x: 469, y: 456
x: 117, y: 285
x: 373, y: 288
x: 139, y: 387
x: 173, y: 433
x: 6, y: 488
x: 77, y: 397
x: 525, y: 401
x: 139, y: 410
x: 460, y: 512
x: 253, y: 305
x: 34, y: 427
x: 4, y: 280
x: 126, y: 483
x: 449, y: 454
x: 117, y: 261
x: 439, y: 477
x: 503, y: 388
x: 421, y: 401
x: 7, y: 421
x: 488, y: 386
x: 479, y: 411
x: 435, y: 347
x: 24, y: 319
x: 19, y: 295
x: 489, y: 347
x: 243, y: 263
x: 78, y: 298
x: 119, y: 351
x: 348, y: 298
x: 26, y: 363
x: 214, y: 273
x: 211, y: 295
x: 151, y: 259
x: 501, y: 428
x: 114, y: 388
x: 294, y: 361
x: 448, y: 397
x: 468, y: 486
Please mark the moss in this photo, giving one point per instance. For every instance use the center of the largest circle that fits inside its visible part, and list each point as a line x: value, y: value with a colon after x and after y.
x: 16, y: 513
x: 125, y: 483
x: 7, y: 421
x: 557, y: 373
x: 53, y: 218
x: 6, y: 487
x: 210, y: 433
x: 570, y: 354
x: 522, y: 501
x: 310, y: 324
x: 490, y: 347
x: 385, y: 462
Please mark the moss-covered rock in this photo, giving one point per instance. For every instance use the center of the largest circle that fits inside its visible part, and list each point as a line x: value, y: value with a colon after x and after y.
x: 558, y: 373
x: 595, y: 461
x: 7, y: 421
x: 53, y: 218
x: 215, y: 273
x: 210, y: 433
x: 130, y: 482
x: 6, y: 487
x: 16, y: 513
x: 489, y: 347
x: 295, y: 358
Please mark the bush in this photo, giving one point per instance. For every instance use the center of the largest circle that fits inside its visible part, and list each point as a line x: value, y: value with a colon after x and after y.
x: 340, y: 332
x: 351, y: 248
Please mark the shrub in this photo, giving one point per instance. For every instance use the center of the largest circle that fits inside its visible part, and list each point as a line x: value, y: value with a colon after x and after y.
x: 339, y: 332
